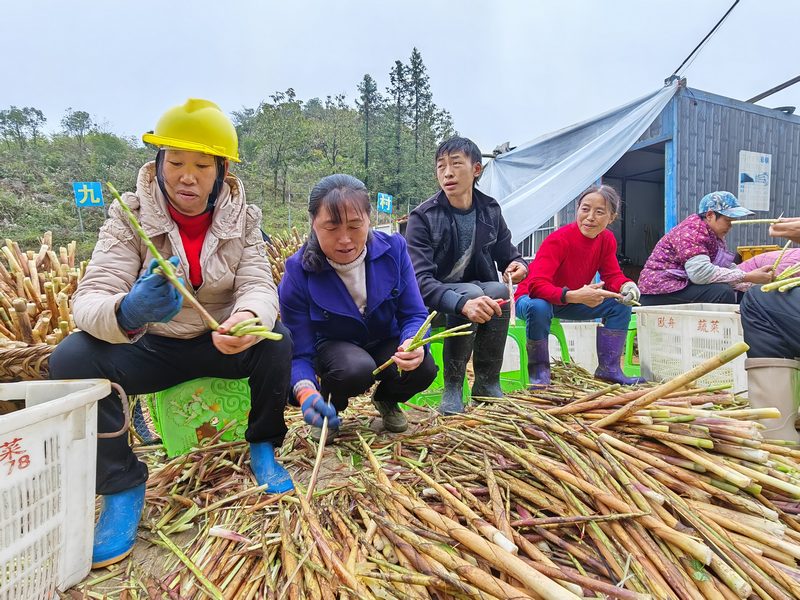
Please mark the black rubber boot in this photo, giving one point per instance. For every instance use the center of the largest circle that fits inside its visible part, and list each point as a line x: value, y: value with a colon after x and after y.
x: 487, y: 359
x: 455, y: 356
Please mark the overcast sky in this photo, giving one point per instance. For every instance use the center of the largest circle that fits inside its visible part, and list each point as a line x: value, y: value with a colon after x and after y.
x: 506, y: 70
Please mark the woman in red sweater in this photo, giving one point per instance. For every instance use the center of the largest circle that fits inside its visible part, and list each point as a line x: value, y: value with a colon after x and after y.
x: 560, y: 284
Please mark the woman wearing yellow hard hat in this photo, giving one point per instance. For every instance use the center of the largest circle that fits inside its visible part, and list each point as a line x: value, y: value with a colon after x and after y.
x: 135, y: 329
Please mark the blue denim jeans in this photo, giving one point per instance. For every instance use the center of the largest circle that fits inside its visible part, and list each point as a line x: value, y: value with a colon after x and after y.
x: 538, y: 313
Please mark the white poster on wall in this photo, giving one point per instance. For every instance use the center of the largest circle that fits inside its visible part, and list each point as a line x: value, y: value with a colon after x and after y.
x: 754, y: 178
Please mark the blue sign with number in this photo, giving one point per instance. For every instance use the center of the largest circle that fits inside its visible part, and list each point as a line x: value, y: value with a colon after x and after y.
x: 87, y: 193
x: 385, y: 202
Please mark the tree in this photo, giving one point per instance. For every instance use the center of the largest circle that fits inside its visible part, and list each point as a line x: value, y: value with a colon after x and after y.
x: 35, y: 121
x: 77, y: 123
x: 335, y: 133
x: 279, y: 141
x: 368, y: 103
x: 398, y: 91
x: 17, y: 124
x: 12, y: 126
x: 420, y: 98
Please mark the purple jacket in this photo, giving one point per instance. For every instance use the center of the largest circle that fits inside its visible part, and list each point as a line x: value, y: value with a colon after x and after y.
x: 317, y: 306
x: 664, y: 271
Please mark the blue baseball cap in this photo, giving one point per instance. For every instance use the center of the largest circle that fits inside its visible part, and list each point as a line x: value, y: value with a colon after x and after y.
x: 723, y: 203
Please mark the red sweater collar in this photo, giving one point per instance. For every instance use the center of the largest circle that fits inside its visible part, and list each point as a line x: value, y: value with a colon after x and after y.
x: 191, y: 225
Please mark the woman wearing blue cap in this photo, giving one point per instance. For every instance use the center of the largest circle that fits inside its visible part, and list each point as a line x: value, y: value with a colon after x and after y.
x: 692, y: 263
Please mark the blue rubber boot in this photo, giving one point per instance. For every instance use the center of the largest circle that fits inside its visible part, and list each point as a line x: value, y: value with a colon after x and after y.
x: 115, y: 532
x: 267, y: 470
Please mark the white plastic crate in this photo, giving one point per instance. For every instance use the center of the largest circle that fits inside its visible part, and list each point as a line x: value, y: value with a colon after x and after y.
x: 47, y: 477
x: 675, y: 338
x: 581, y: 342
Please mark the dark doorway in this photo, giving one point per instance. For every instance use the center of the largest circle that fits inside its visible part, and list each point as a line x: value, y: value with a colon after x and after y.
x: 639, y: 178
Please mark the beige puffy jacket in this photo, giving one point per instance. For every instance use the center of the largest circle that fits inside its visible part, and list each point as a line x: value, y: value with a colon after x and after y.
x: 236, y: 273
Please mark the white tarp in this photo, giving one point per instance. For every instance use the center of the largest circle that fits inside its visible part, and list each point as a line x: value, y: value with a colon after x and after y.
x: 536, y: 180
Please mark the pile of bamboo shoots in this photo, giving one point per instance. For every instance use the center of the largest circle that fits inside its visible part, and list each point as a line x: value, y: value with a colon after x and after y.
x: 524, y: 497
x: 35, y: 288
x: 279, y: 248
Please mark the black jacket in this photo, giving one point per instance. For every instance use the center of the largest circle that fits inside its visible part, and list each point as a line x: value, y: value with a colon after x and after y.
x: 433, y: 245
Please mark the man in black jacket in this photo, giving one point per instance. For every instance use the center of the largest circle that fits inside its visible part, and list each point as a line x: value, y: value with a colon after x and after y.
x: 458, y: 241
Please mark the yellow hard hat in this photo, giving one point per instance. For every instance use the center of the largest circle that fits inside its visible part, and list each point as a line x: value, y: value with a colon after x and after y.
x: 197, y: 125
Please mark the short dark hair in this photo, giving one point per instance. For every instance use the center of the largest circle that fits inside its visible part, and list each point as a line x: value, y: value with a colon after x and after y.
x: 332, y: 192
x: 609, y: 194
x: 459, y: 144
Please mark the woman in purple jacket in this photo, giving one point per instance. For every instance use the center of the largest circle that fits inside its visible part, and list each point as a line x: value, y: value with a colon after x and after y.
x: 692, y: 263
x: 350, y: 298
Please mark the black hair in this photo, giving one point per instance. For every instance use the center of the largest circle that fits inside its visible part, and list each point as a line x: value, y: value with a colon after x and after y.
x: 333, y: 192
x: 212, y: 197
x: 459, y: 144
x: 609, y: 194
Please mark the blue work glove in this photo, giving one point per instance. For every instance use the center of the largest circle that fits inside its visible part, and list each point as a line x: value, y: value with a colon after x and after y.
x: 315, y: 409
x: 152, y: 299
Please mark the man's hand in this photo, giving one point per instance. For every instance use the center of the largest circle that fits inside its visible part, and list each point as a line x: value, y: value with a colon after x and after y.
x: 231, y: 344
x: 516, y: 270
x: 591, y: 295
x: 786, y: 228
x: 315, y: 409
x: 481, y: 309
x: 760, y: 275
x: 408, y: 361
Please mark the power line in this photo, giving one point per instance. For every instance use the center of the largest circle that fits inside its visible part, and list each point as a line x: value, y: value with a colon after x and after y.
x: 697, y: 48
x: 777, y: 88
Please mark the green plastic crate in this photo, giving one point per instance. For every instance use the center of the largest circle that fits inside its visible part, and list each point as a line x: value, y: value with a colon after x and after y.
x: 194, y: 410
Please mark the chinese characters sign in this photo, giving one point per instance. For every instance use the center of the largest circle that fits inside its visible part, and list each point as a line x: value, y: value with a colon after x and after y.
x: 754, y: 179
x: 703, y: 325
x: 13, y: 456
x: 87, y: 193
x: 385, y: 202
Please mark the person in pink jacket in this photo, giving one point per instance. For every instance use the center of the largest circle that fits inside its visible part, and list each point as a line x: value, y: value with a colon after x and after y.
x: 692, y: 263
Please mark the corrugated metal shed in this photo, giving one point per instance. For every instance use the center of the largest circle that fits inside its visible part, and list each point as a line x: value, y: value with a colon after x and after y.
x: 697, y: 139
x: 710, y: 132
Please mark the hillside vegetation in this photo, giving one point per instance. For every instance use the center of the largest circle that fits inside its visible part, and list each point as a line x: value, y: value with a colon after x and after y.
x: 286, y: 144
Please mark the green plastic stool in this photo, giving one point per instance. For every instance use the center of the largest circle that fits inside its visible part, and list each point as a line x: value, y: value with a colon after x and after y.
x: 510, y: 381
x: 516, y: 380
x: 628, y: 366
x: 557, y: 330
x: 193, y: 410
x: 433, y: 395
